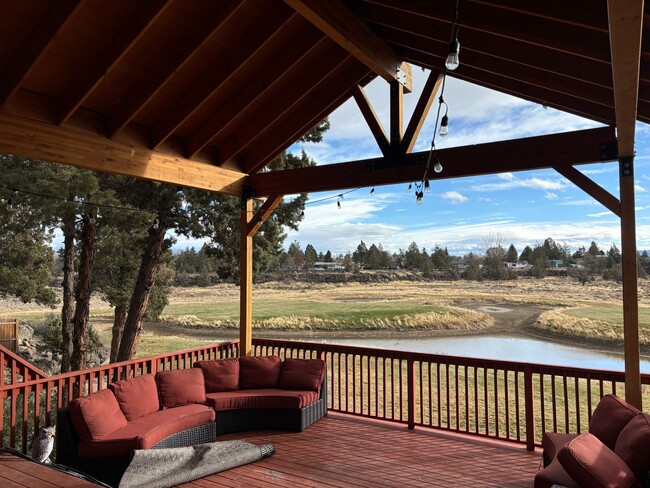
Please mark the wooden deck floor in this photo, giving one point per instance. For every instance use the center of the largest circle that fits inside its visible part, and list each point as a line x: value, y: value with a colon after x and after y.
x: 18, y: 472
x: 343, y: 451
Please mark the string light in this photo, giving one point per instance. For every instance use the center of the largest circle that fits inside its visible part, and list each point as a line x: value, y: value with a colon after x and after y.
x: 437, y: 167
x: 373, y: 190
x: 10, y: 202
x: 427, y: 187
x: 453, y: 60
x: 410, y: 186
x: 156, y: 224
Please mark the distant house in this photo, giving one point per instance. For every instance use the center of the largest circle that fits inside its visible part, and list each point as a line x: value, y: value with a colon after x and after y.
x: 556, y: 263
x: 518, y: 265
x: 328, y: 266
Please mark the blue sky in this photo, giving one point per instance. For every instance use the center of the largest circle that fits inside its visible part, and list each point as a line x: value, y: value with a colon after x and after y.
x: 520, y: 208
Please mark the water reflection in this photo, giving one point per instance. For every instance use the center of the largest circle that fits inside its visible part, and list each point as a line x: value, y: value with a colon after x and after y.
x: 508, y: 348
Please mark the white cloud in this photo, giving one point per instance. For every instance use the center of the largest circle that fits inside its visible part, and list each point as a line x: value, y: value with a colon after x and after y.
x: 549, y: 195
x: 506, y: 176
x: 534, y: 183
x: 579, y: 203
x: 454, y: 197
x: 600, y: 214
x: 639, y: 188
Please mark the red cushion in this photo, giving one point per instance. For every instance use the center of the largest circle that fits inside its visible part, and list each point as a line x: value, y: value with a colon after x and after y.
x: 261, y: 398
x: 220, y: 375
x: 259, y: 372
x: 552, y: 442
x: 609, y: 418
x: 181, y: 387
x: 633, y: 445
x: 594, y: 465
x: 97, y: 415
x: 137, y: 396
x: 148, y: 430
x: 554, y: 474
x: 302, y: 374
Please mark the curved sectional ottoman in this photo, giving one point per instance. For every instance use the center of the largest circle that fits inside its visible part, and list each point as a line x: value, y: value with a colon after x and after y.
x: 98, y: 433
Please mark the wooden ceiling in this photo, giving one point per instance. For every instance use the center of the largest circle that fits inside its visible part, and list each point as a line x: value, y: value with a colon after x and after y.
x: 205, y: 93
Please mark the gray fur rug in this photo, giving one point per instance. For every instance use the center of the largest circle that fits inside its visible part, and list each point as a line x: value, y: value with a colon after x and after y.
x: 162, y: 468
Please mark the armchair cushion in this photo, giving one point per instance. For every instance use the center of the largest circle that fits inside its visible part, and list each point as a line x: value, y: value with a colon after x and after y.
x: 220, y: 374
x: 137, y: 396
x: 96, y: 415
x: 609, y: 418
x: 181, y: 387
x: 593, y: 465
x: 302, y: 374
x: 633, y: 445
x: 259, y: 372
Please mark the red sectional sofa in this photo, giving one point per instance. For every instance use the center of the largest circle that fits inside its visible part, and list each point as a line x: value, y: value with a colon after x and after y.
x: 97, y: 434
x: 615, y: 453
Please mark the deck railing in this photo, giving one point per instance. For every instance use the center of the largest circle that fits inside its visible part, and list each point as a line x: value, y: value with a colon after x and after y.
x: 14, y: 369
x: 504, y: 400
x: 26, y: 405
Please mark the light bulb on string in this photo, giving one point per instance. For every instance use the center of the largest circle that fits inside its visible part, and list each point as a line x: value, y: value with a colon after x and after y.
x: 444, y: 126
x: 156, y: 224
x: 338, y: 204
x: 10, y: 204
x: 453, y: 60
x: 427, y: 186
x: 373, y: 190
x: 410, y: 186
x: 418, y: 197
x: 437, y: 167
x: 302, y: 214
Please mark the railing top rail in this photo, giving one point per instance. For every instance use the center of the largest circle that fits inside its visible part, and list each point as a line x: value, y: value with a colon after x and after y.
x: 7, y: 354
x: 106, y: 367
x: 448, y: 359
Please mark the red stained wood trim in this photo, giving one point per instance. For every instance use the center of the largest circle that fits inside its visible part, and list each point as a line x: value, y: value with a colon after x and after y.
x: 36, y: 45
x: 578, y: 147
x: 119, y: 45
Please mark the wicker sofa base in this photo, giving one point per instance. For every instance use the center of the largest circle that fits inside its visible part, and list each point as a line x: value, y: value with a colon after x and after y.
x: 231, y: 421
x: 109, y: 469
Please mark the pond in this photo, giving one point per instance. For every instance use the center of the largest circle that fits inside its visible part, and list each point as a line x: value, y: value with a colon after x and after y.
x: 503, y: 347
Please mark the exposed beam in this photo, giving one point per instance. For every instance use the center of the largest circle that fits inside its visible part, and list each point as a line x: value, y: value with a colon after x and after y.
x: 396, y: 116
x: 568, y: 148
x: 590, y: 187
x: 431, y: 87
x: 263, y: 214
x: 230, y: 70
x: 371, y: 118
x: 28, y: 138
x: 101, y: 64
x: 36, y: 45
x: 168, y: 63
x: 304, y: 115
x: 625, y: 23
x: 336, y: 20
x: 272, y: 101
x: 246, y: 280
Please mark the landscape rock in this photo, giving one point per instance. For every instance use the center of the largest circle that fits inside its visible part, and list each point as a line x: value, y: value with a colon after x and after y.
x: 25, y: 332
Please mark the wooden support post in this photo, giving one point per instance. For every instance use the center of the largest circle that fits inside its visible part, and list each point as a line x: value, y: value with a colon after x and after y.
x: 630, y: 295
x: 246, y: 280
x: 396, y: 116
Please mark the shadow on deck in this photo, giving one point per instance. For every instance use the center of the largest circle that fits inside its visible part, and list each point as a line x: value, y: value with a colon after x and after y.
x: 343, y: 451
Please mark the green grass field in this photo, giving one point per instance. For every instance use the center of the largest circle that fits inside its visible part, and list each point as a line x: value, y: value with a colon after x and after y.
x: 612, y: 314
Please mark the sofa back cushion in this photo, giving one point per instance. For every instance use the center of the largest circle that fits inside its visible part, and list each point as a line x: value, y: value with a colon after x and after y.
x: 96, y: 415
x: 633, y: 445
x: 590, y: 463
x: 609, y: 418
x: 137, y: 397
x: 259, y: 372
x: 181, y: 387
x: 302, y: 374
x: 220, y: 375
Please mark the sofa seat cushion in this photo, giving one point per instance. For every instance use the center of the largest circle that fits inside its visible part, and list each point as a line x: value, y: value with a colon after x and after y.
x: 552, y: 442
x: 136, y: 396
x: 554, y: 474
x: 97, y: 415
x: 220, y: 374
x: 610, y: 417
x: 180, y: 387
x: 633, y: 445
x: 145, y: 432
x: 302, y: 374
x: 263, y: 398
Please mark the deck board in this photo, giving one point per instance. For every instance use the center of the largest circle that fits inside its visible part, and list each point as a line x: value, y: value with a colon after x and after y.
x: 343, y: 451
x: 16, y: 471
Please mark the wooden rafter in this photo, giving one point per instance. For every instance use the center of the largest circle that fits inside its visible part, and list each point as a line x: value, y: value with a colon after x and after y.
x: 590, y: 187
x: 431, y: 87
x: 339, y: 23
x: 91, y: 151
x: 168, y: 64
x: 230, y: 69
x: 36, y: 45
x: 263, y: 214
x: 279, y: 93
x: 371, y: 118
x: 580, y: 147
x: 120, y: 44
x: 304, y: 115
